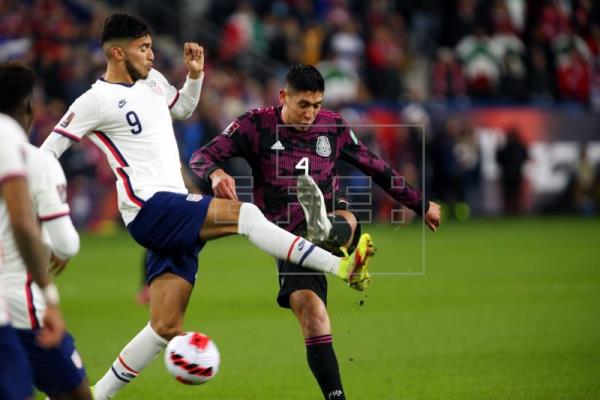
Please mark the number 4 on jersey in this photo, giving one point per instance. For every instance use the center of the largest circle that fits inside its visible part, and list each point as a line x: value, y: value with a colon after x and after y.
x: 303, y: 164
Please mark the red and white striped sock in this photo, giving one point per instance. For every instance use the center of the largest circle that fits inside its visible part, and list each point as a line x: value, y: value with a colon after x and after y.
x: 282, y: 244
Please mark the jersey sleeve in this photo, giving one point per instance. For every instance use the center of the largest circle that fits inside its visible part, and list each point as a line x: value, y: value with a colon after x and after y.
x: 183, y: 102
x: 12, y: 156
x: 83, y: 117
x: 51, y: 195
x: 386, y: 177
x: 237, y: 140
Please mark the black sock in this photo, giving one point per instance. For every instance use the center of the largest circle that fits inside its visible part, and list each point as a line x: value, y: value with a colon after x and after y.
x: 323, y: 363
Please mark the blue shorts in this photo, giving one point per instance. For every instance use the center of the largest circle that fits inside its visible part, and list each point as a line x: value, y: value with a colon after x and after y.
x: 169, y: 225
x: 16, y: 378
x: 58, y: 370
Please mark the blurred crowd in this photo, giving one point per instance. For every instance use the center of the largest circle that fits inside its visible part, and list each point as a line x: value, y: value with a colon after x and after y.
x: 384, y: 61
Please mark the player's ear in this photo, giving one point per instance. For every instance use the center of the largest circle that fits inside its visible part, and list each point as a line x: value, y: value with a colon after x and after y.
x: 282, y: 96
x: 117, y: 53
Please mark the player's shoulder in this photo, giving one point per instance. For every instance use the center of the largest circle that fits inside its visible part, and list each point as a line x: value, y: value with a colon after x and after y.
x: 41, y: 160
x: 92, y: 96
x: 10, y: 130
x: 156, y: 75
x: 261, y: 112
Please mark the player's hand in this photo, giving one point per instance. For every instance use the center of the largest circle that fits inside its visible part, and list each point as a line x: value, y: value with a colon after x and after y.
x: 57, y: 265
x: 223, y: 185
x: 433, y: 216
x: 193, y: 58
x: 53, y: 329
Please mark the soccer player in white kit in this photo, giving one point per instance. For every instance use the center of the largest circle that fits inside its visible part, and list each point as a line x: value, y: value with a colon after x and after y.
x: 58, y: 371
x: 16, y: 87
x: 128, y: 114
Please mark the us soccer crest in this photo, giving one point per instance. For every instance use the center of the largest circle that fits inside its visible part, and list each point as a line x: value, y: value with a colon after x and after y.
x: 323, y: 146
x: 155, y: 88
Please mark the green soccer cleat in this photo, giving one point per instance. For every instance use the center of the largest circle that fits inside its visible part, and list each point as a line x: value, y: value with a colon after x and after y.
x: 354, y: 267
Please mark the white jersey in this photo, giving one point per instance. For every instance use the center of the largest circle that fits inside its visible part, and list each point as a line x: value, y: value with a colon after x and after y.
x: 132, y: 125
x: 12, y: 163
x: 47, y: 189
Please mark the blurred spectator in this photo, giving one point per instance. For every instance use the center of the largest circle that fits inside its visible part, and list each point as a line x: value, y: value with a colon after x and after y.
x: 448, y: 176
x: 481, y: 66
x: 539, y: 85
x: 348, y: 47
x: 573, y: 77
x: 385, y: 57
x: 554, y: 19
x: 584, y: 185
x: 460, y: 22
x: 511, y: 158
x: 448, y: 81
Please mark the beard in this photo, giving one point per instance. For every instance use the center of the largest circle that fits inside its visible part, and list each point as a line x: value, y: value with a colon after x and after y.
x: 133, y: 72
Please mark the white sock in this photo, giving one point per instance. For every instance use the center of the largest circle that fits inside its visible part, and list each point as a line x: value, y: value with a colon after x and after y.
x: 134, y: 357
x: 281, y: 243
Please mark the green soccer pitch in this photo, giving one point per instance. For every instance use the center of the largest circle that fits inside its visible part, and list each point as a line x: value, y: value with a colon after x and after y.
x: 506, y: 309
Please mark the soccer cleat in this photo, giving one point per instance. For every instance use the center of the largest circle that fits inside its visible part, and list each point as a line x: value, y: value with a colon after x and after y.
x: 354, y: 267
x: 313, y: 204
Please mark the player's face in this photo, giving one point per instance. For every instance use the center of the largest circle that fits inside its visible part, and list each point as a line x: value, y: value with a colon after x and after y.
x: 139, y: 58
x: 300, y: 109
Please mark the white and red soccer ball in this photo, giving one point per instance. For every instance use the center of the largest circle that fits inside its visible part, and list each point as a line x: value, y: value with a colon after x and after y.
x: 192, y: 358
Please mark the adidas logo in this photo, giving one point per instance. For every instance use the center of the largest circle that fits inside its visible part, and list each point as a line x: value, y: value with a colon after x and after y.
x: 277, y: 146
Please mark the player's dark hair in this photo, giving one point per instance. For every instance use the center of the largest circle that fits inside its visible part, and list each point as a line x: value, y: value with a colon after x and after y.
x: 304, y: 78
x: 16, y: 84
x: 123, y: 26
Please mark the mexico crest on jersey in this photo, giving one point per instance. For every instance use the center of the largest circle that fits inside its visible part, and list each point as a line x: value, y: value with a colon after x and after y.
x: 323, y: 146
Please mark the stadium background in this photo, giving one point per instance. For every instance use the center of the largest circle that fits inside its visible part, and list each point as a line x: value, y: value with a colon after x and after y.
x: 502, y: 303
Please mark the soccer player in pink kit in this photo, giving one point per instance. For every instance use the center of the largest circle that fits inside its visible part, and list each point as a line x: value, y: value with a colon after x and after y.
x: 128, y: 114
x: 297, y: 144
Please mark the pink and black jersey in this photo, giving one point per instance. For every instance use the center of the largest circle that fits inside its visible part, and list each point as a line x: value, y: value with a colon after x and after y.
x: 278, y: 153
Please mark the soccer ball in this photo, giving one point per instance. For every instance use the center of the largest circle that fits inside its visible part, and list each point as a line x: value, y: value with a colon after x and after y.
x: 192, y: 358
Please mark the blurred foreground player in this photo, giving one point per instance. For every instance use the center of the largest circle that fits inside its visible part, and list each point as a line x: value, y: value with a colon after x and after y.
x: 17, y: 219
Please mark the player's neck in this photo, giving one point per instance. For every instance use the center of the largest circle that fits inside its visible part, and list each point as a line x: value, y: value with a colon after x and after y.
x: 115, y: 74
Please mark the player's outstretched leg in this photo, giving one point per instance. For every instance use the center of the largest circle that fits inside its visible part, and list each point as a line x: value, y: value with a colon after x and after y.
x: 247, y: 220
x: 311, y: 199
x: 169, y: 295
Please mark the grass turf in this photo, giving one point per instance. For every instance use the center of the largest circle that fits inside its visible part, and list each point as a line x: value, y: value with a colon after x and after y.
x: 505, y: 309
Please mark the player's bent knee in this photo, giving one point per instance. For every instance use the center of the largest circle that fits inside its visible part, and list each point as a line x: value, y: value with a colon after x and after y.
x: 221, y: 219
x: 316, y: 323
x: 167, y: 329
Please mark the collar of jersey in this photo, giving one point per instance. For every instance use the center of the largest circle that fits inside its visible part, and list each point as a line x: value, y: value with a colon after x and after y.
x: 117, y: 83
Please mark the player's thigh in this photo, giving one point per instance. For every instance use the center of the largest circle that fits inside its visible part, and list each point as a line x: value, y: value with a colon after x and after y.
x: 169, y: 297
x: 58, y: 370
x: 311, y: 312
x: 221, y: 219
x: 16, y: 377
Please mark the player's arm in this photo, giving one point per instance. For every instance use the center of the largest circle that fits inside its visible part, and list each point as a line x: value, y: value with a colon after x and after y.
x: 64, y: 242
x: 237, y: 140
x: 356, y: 153
x: 53, y: 211
x: 81, y: 118
x: 28, y: 240
x: 183, y: 102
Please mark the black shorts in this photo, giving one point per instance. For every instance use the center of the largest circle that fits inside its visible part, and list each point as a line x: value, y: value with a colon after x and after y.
x: 293, y: 277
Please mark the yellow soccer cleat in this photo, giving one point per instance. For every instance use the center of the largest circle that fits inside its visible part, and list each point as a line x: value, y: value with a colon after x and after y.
x: 354, y: 267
